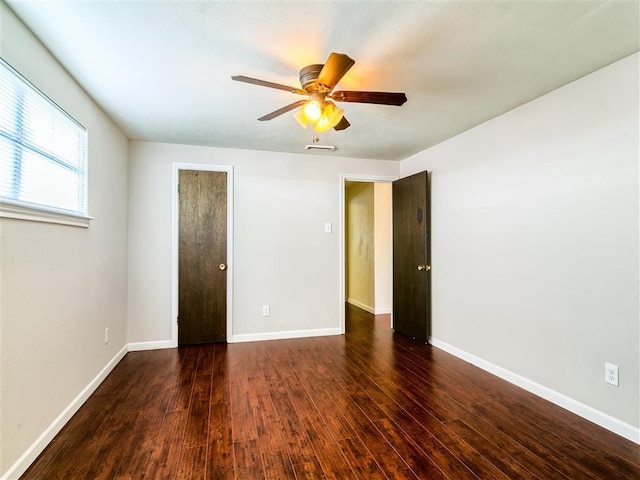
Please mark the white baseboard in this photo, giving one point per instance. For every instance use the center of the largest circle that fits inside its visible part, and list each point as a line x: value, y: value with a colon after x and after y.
x: 140, y: 346
x: 599, y: 418
x: 361, y: 305
x: 367, y: 308
x: 52, y: 430
x: 383, y: 311
x: 257, y: 337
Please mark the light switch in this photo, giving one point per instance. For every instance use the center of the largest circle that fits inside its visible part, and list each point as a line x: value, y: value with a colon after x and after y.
x: 327, y: 227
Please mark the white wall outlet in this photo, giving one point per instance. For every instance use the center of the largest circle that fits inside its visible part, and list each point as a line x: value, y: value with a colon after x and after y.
x: 611, y: 374
x: 106, y: 336
x: 265, y: 310
x: 328, y: 228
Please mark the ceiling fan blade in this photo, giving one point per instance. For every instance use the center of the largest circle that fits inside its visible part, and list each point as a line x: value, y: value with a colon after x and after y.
x: 282, y: 110
x: 264, y: 83
x: 342, y: 124
x: 380, y: 98
x: 334, y: 69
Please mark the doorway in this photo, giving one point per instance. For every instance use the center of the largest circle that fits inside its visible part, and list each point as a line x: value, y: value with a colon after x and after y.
x: 366, y: 268
x: 202, y: 212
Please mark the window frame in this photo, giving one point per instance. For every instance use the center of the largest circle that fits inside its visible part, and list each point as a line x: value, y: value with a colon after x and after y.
x: 24, y: 210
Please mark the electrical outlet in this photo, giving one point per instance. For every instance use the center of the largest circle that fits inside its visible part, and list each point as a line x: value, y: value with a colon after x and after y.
x: 265, y: 310
x: 106, y: 336
x: 611, y: 374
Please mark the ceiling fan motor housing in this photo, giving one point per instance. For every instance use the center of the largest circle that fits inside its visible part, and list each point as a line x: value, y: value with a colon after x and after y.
x: 308, y: 76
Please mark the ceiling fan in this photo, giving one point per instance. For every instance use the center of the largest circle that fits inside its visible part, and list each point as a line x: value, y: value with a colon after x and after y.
x: 318, y: 82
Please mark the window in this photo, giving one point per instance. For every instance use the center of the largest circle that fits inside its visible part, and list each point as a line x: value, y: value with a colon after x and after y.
x: 43, y: 153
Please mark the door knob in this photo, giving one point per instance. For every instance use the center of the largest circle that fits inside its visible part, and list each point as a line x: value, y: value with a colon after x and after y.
x: 222, y: 266
x: 425, y: 268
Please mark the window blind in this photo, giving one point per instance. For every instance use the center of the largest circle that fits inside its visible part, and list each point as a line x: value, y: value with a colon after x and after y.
x: 43, y: 150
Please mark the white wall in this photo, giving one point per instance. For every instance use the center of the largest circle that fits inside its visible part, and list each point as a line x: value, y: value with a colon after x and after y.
x: 282, y: 257
x: 360, y: 245
x: 383, y: 247
x: 535, y: 240
x: 61, y: 286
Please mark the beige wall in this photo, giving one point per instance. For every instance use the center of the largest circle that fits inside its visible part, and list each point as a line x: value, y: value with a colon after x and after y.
x: 368, y: 246
x: 535, y: 241
x: 61, y: 286
x: 360, y: 245
x: 383, y: 251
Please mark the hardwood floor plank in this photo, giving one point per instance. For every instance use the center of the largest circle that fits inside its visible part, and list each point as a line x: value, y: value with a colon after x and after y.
x: 115, y: 442
x: 205, y: 360
x: 519, y: 455
x: 392, y: 464
x: 420, y: 463
x: 183, y: 390
x: 336, y: 466
x: 168, y: 446
x: 268, y: 424
x: 509, y: 398
x: 220, y: 375
x: 277, y: 465
x: 293, y: 430
x: 360, y: 459
x: 494, y: 454
x: 322, y: 390
x: 308, y: 471
x: 298, y: 443
x: 197, y: 429
x: 248, y: 460
x: 145, y: 431
x: 220, y: 456
x: 413, y: 391
x: 369, y: 404
x: 192, y: 465
x: 243, y: 422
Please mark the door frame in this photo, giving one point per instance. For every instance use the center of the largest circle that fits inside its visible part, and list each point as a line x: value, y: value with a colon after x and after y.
x: 174, y: 243
x: 344, y: 178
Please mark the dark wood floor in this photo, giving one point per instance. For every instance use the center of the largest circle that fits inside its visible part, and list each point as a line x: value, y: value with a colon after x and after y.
x: 367, y: 405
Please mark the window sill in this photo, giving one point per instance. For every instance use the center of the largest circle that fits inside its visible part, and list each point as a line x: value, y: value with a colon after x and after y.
x: 19, y: 212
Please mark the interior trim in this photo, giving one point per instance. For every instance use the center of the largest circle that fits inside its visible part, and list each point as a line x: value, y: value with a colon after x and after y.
x: 174, y: 244
x: 37, y: 447
x: 283, y: 335
x: 143, y: 346
x: 19, y: 212
x: 585, y: 411
x: 344, y: 178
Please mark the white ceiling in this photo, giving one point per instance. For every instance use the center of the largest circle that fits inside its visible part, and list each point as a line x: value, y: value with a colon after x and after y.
x: 161, y: 69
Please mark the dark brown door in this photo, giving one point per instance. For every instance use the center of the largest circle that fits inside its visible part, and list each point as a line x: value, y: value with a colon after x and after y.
x: 411, y: 252
x: 202, y: 257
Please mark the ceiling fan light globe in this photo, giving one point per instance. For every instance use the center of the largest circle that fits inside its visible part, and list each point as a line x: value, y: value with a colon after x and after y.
x: 323, y: 125
x: 311, y: 111
x: 300, y: 119
x: 330, y: 118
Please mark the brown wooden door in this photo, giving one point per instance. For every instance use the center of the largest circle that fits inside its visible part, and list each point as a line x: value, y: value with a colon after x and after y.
x: 411, y: 252
x: 202, y: 257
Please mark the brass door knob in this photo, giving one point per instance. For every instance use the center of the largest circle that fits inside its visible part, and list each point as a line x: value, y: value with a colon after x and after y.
x: 425, y: 268
x: 222, y: 266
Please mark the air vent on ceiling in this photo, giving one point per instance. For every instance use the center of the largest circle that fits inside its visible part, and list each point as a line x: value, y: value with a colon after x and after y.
x: 328, y: 148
